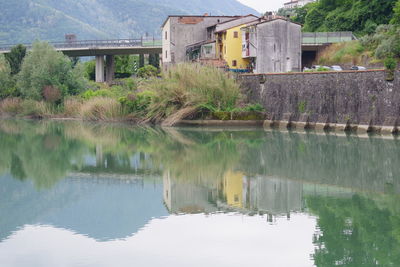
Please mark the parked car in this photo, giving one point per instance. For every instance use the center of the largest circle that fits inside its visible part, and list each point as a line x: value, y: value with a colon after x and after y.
x: 316, y: 67
x: 358, y: 68
x: 336, y: 68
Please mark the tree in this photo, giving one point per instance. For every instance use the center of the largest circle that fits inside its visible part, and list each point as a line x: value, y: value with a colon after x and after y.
x: 6, y: 84
x: 147, y: 71
x: 15, y: 58
x: 90, y: 70
x: 396, y: 15
x: 44, y: 67
x: 349, y: 15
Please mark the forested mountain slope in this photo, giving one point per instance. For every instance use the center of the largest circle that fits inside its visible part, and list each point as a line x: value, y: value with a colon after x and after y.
x: 27, y: 20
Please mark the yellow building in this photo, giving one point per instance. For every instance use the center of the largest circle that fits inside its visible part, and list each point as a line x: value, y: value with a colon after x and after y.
x: 229, y: 48
x: 233, y: 189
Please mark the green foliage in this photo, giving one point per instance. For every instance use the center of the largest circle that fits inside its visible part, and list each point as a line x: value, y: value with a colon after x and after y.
x: 348, y: 15
x: 384, y: 42
x: 147, y: 71
x: 88, y: 94
x: 301, y: 13
x: 302, y: 106
x: 6, y: 81
x: 15, y: 58
x: 90, y: 70
x: 44, y: 66
x: 125, y: 64
x: 390, y: 63
x: 254, y: 107
x: 396, y: 15
x: 138, y: 103
x: 323, y: 69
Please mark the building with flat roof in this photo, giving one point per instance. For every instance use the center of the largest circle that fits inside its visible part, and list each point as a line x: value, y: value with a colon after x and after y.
x: 181, y: 31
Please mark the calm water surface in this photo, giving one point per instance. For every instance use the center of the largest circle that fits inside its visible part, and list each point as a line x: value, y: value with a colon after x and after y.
x: 74, y: 194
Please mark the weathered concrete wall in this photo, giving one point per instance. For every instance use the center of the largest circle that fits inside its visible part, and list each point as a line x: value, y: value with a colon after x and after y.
x: 278, y: 46
x: 363, y: 97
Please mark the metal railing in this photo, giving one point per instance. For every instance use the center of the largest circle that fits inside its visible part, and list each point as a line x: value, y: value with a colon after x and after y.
x: 315, y: 38
x: 143, y: 42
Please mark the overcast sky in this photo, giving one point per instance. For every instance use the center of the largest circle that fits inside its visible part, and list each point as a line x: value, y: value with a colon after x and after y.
x: 264, y: 5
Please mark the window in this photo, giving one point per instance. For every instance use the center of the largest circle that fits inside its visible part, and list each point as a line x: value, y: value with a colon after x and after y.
x: 224, y: 49
x: 166, y: 35
x: 234, y: 63
x: 235, y: 35
x: 166, y: 54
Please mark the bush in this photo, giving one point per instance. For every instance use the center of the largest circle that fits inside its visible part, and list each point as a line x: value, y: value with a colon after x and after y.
x: 96, y: 93
x: 147, y: 71
x: 44, y: 66
x: 390, y: 63
x: 137, y: 103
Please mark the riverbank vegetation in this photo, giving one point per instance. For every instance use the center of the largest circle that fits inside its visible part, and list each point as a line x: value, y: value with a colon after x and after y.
x: 46, y: 83
x: 375, y: 23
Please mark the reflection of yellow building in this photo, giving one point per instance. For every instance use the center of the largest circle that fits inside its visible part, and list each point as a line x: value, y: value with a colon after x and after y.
x: 229, y: 48
x: 233, y: 189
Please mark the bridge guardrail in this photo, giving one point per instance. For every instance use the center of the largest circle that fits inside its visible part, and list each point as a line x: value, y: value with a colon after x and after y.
x: 144, y: 42
x: 326, y: 37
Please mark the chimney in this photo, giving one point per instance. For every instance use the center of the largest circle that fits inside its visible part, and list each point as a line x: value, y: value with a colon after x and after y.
x: 205, y: 15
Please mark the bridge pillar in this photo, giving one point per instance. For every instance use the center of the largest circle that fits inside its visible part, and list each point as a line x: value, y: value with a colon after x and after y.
x: 100, y: 69
x: 110, y: 68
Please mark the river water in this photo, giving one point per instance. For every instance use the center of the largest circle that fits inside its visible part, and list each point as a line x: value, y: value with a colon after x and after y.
x: 85, y: 194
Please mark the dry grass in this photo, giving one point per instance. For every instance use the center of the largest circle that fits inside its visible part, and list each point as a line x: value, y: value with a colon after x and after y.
x: 36, y: 108
x: 352, y: 53
x: 11, y: 105
x: 72, y: 107
x: 26, y: 107
x: 190, y: 85
x: 101, y: 108
x: 179, y: 115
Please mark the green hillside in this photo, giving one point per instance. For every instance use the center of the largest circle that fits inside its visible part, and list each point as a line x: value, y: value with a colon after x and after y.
x: 26, y: 20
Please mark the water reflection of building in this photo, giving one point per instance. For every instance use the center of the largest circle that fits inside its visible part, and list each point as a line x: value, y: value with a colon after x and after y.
x: 262, y: 194
x: 235, y: 191
x: 187, y: 197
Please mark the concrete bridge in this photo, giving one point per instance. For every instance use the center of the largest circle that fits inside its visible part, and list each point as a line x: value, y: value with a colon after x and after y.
x: 314, y: 42
x: 103, y: 50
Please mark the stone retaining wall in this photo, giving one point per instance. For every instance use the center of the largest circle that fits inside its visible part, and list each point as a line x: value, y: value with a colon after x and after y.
x: 349, y: 100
